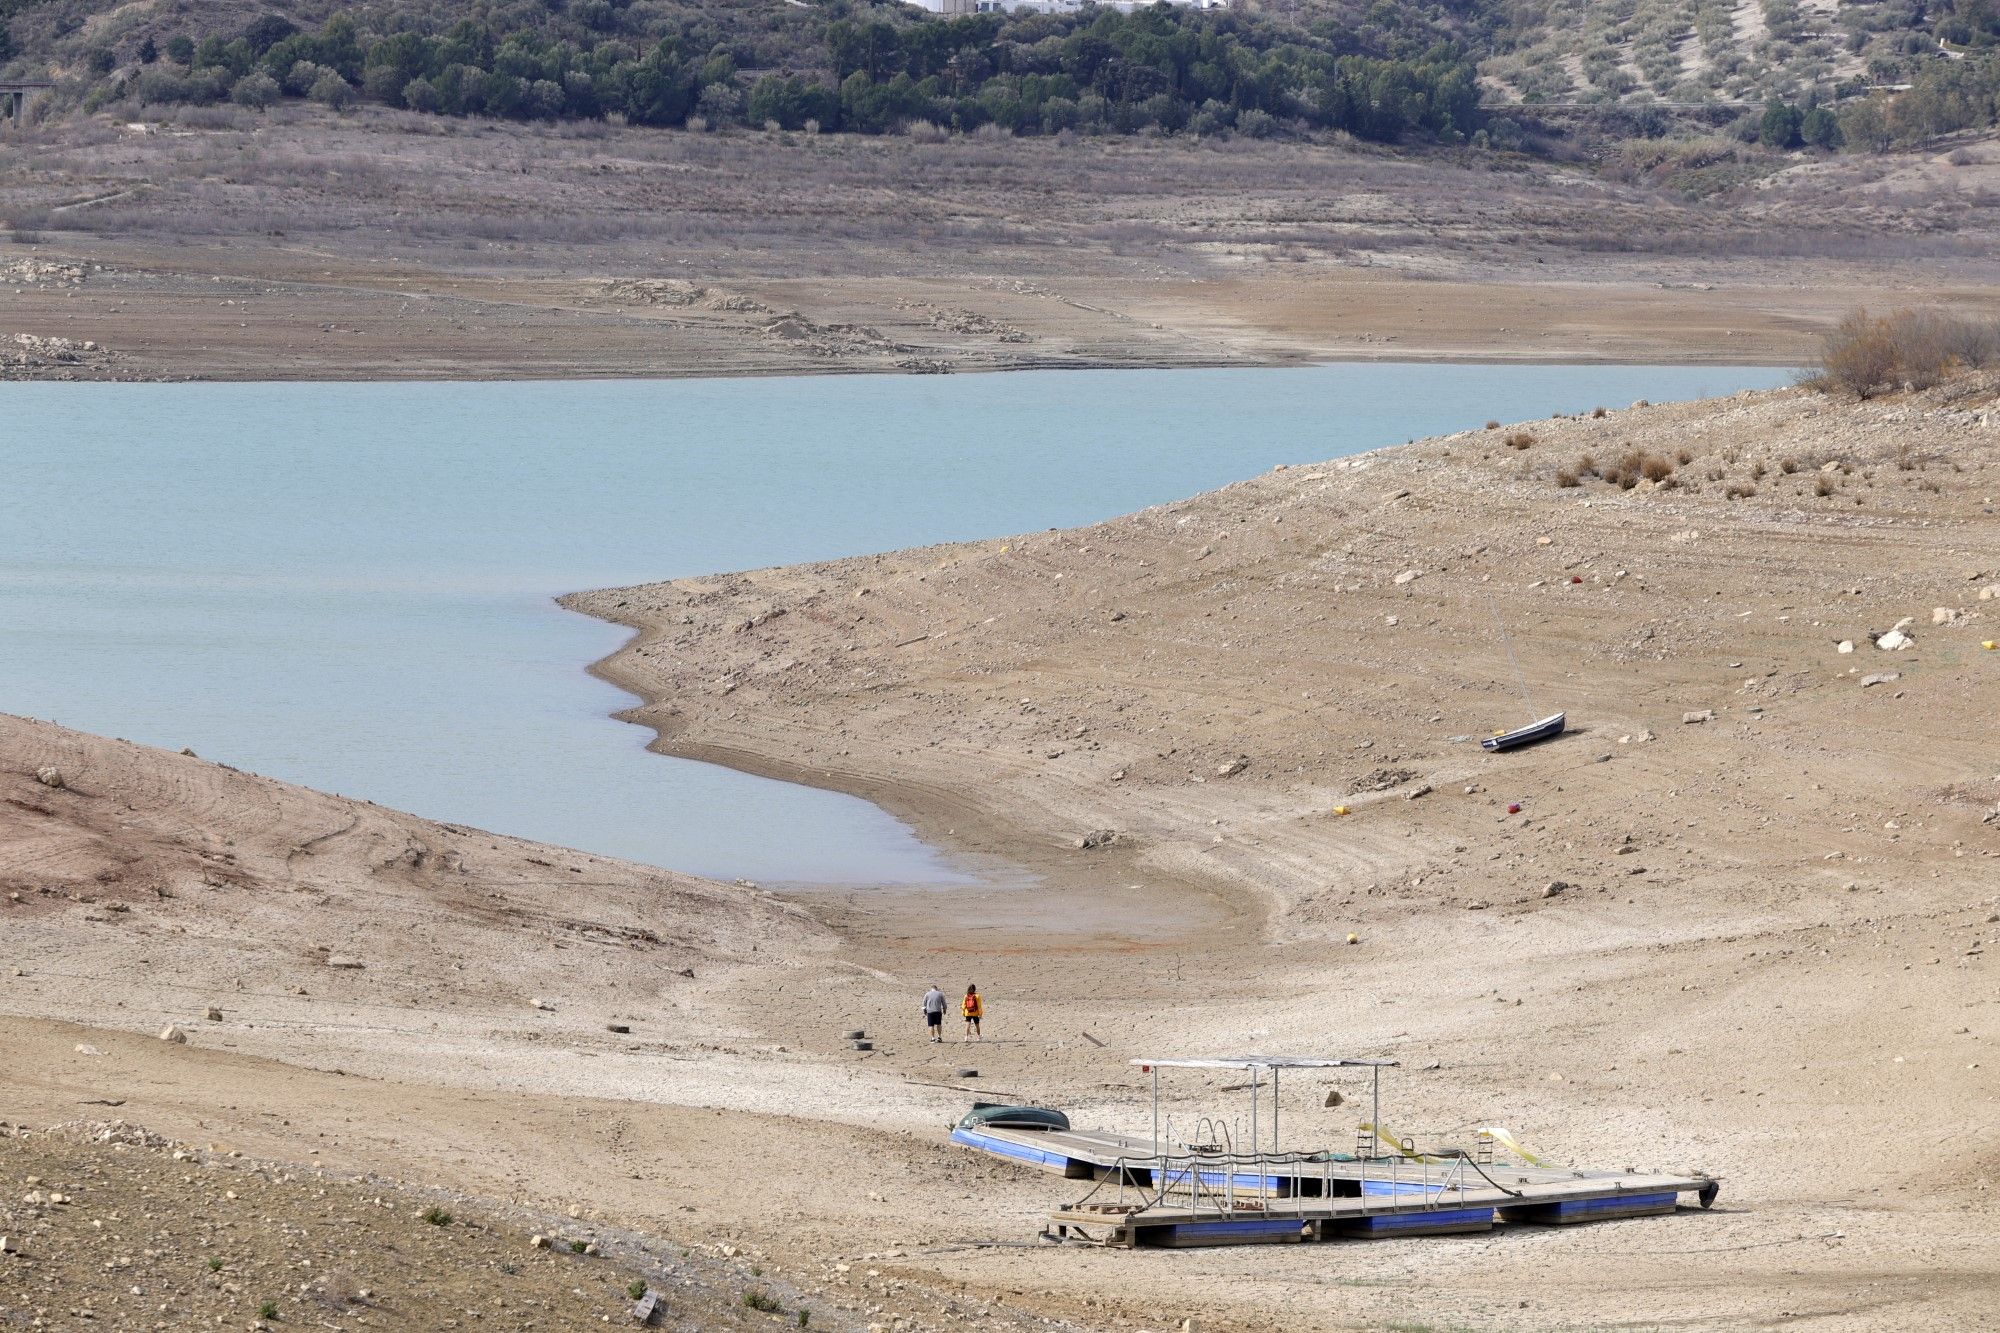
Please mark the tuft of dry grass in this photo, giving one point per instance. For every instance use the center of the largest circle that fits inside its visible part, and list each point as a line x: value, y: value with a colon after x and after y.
x: 1520, y: 439
x: 1566, y: 478
x: 1598, y: 414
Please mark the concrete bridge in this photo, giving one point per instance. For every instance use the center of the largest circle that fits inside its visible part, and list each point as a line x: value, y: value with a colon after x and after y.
x: 16, y: 94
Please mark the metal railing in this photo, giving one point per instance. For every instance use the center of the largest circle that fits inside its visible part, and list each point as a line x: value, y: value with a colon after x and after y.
x: 1231, y: 1184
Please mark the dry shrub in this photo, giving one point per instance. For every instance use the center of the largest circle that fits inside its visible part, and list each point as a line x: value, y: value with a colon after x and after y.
x: 1566, y: 478
x: 1655, y: 468
x: 1823, y: 487
x: 1757, y: 470
x: 1739, y: 491
x: 1493, y: 425
x: 1598, y: 414
x: 1716, y: 474
x: 1520, y: 439
x: 1586, y: 465
x: 1684, y: 455
x: 1866, y: 355
x: 1788, y: 466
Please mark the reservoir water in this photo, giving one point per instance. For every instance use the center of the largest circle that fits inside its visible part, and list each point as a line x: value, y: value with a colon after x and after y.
x: 349, y: 585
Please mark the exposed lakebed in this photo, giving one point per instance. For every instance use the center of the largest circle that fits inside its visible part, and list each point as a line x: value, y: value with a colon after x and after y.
x: 350, y: 586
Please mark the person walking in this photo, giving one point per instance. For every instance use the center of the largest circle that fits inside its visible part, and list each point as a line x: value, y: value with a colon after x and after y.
x: 974, y: 1009
x: 934, y: 1012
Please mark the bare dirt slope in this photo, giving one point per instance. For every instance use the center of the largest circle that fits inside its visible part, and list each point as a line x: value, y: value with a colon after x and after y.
x: 221, y: 243
x: 167, y: 886
x: 1741, y: 917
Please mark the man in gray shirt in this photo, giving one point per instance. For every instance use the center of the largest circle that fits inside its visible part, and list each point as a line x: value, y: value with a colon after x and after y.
x: 934, y: 1011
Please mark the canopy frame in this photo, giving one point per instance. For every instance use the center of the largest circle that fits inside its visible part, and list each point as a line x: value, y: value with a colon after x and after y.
x: 1255, y: 1066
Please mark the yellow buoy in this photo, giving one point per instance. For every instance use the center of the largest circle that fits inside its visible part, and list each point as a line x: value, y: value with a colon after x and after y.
x: 1340, y: 809
x: 1352, y: 938
x: 1987, y: 644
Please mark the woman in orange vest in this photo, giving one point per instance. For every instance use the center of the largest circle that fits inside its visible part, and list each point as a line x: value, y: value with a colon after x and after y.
x: 974, y: 1010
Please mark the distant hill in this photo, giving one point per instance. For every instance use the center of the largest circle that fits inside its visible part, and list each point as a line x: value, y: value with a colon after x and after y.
x: 1488, y: 71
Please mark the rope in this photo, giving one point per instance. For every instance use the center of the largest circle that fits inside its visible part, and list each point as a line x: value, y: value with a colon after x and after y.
x: 1508, y: 644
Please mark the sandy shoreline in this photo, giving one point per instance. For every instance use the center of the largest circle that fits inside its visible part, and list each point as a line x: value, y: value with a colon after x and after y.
x: 1769, y: 953
x: 1030, y: 724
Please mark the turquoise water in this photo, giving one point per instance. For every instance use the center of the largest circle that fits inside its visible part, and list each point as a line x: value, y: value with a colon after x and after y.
x: 349, y: 585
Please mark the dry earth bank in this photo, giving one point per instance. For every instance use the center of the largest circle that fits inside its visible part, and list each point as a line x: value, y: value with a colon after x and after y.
x: 296, y: 244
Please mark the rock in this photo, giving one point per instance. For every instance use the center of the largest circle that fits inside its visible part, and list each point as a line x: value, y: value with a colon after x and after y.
x: 546, y: 1006
x: 1233, y: 767
x: 965, y: 1073
x: 214, y: 1014
x: 1696, y: 715
x: 1989, y: 592
x: 1844, y: 646
x: 174, y: 1035
x: 1554, y: 888
x: 620, y: 1028
x: 1408, y: 576
x: 1880, y: 678
x: 342, y: 961
x: 863, y: 1045
x: 50, y: 776
x: 1097, y: 838
x: 1477, y: 905
x: 1392, y: 620
x: 1421, y: 789
x: 8, y: 1245
x: 591, y: 1249
x: 1894, y: 641
x: 85, y: 1048
x: 538, y: 1242
x: 189, y: 753
x: 1544, y: 541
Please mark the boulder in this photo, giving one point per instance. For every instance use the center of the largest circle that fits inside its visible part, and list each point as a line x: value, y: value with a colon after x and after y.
x: 1695, y: 715
x: 1408, y: 576
x: 50, y: 776
x: 174, y: 1035
x: 1894, y: 641
x: 1844, y: 646
x: 1554, y: 888
x: 1880, y: 678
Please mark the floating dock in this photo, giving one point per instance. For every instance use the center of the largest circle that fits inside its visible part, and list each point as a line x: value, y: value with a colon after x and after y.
x: 1152, y: 1193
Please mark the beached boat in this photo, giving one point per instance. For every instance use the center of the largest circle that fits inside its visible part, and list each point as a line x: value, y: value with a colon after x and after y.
x: 1546, y: 729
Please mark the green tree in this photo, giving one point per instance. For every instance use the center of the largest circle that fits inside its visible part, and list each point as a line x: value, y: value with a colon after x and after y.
x: 1820, y: 128
x: 1780, y: 126
x: 256, y: 90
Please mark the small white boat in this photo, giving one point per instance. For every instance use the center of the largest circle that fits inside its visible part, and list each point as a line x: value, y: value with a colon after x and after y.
x: 1546, y: 729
